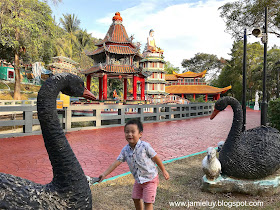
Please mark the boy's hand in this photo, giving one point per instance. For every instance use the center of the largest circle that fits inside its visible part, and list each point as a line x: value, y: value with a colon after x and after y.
x: 101, y: 178
x: 165, y: 174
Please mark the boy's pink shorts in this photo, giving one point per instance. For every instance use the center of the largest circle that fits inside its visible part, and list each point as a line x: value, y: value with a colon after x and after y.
x: 146, y: 191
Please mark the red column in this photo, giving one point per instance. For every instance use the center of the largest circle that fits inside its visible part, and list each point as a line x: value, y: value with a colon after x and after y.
x: 182, y: 96
x: 88, y: 81
x: 219, y: 96
x: 105, y: 86
x: 125, y: 88
x: 206, y: 97
x: 142, y: 89
x: 134, y: 87
x: 100, y: 88
x: 193, y: 96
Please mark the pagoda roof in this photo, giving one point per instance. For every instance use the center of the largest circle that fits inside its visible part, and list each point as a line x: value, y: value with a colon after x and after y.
x: 116, y: 32
x: 170, y: 77
x: 195, y: 89
x: 65, y: 59
x: 152, y: 59
x: 116, y: 49
x: 126, y: 69
x: 190, y: 74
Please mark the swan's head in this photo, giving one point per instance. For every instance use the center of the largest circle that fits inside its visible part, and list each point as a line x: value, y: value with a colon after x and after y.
x: 220, y: 105
x: 211, y: 153
x: 75, y: 87
x: 220, y: 145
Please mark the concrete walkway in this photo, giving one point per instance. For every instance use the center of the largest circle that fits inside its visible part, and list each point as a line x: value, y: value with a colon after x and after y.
x: 97, y: 149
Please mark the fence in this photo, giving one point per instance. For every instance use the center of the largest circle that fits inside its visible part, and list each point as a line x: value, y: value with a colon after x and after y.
x: 78, y: 117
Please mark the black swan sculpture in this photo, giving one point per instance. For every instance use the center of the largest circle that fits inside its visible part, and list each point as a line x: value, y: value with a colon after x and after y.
x: 252, y: 154
x: 69, y: 188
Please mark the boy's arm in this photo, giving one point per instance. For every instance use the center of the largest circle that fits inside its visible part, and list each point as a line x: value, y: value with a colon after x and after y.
x: 157, y: 160
x: 109, y: 170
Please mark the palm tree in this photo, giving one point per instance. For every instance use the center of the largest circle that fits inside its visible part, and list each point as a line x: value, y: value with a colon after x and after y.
x: 70, y: 24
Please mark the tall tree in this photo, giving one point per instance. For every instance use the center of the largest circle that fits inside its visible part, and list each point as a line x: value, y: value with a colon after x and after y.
x: 250, y: 14
x: 231, y: 74
x: 204, y: 61
x: 169, y: 68
x: 26, y: 26
x: 71, y: 24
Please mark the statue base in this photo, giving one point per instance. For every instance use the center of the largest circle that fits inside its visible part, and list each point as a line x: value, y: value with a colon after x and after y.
x: 256, y: 107
x: 224, y: 184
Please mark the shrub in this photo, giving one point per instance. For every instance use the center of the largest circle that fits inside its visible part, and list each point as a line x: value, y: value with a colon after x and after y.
x: 274, y: 113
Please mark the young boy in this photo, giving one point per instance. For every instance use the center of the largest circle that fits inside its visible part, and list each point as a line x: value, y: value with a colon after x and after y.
x: 141, y: 159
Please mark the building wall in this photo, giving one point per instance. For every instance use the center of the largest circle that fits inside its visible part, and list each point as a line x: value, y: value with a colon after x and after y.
x: 155, y: 84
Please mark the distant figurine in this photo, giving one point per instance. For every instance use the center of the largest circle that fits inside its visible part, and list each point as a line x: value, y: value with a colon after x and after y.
x: 220, y: 145
x: 211, y: 165
x: 151, y: 44
x: 257, y: 107
x: 115, y: 95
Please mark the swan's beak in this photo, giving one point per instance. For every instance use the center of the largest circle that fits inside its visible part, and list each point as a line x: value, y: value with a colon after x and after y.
x: 214, y: 113
x: 88, y: 95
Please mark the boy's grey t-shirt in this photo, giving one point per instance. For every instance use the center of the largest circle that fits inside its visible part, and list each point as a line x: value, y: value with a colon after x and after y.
x: 140, y: 161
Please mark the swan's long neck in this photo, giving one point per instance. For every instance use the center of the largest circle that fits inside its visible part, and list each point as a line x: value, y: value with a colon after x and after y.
x: 236, y: 128
x: 66, y: 168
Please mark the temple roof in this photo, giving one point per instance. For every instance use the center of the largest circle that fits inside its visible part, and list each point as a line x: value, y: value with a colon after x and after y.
x: 116, y: 49
x: 188, y: 74
x: 112, y: 69
x: 195, y: 89
x: 116, y: 41
x: 116, y: 32
x: 169, y: 77
x: 153, y: 59
x: 68, y: 60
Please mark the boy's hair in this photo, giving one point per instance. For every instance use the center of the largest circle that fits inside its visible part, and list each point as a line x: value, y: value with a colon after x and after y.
x: 135, y: 122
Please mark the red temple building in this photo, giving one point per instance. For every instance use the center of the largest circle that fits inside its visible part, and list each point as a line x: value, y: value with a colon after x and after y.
x: 190, y: 84
x: 116, y: 57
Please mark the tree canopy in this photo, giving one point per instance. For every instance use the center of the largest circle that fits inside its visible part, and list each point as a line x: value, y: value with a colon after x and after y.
x: 26, y: 32
x: 249, y: 14
x: 169, y: 68
x: 231, y: 74
x: 29, y: 34
x: 204, y: 61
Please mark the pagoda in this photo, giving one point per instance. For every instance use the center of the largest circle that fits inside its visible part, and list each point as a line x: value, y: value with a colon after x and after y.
x: 116, y: 57
x: 153, y: 65
x: 62, y: 64
x: 190, y: 84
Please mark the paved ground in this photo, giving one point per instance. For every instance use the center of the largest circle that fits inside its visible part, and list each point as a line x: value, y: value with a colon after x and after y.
x: 96, y: 149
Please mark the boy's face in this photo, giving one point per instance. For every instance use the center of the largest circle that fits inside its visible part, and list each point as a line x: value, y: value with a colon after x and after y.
x: 132, y: 134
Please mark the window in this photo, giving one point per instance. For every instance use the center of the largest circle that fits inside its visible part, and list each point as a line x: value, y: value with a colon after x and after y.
x: 10, y: 74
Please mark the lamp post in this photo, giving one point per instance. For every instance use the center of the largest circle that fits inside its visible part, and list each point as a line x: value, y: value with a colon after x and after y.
x: 258, y: 33
x: 244, y: 80
x: 277, y: 80
x: 264, y: 100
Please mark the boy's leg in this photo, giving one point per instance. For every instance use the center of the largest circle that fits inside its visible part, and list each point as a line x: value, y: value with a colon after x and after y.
x: 137, y: 194
x: 138, y: 204
x: 149, y: 193
x: 148, y: 206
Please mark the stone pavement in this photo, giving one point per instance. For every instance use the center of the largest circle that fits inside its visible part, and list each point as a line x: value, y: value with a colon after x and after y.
x: 97, y: 149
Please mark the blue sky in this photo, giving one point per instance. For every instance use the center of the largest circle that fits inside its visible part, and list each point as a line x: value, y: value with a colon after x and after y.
x: 182, y: 27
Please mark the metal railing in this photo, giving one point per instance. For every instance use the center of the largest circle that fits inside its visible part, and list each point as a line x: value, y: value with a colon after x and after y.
x: 85, y: 117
